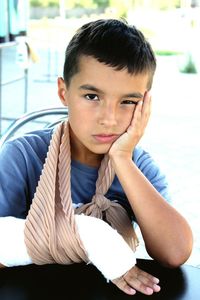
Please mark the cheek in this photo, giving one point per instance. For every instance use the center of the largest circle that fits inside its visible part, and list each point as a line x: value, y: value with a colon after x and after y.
x: 78, y: 120
x: 126, y: 119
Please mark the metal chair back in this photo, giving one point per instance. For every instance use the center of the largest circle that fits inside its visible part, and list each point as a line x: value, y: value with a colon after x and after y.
x: 43, y: 118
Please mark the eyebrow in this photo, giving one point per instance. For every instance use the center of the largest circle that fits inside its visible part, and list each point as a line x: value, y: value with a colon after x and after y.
x: 92, y: 88
x: 95, y: 89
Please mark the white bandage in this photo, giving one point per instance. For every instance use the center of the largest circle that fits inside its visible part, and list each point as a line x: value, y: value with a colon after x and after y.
x: 106, y: 249
x: 13, y: 249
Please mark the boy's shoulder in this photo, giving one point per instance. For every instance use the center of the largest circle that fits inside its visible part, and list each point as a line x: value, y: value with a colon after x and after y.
x: 145, y: 162
x: 140, y: 154
x: 31, y: 137
x: 34, y: 142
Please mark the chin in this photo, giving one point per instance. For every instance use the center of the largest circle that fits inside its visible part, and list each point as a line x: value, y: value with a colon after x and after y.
x: 101, y: 150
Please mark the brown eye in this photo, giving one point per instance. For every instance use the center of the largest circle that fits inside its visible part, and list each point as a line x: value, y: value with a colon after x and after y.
x: 129, y: 102
x: 92, y: 97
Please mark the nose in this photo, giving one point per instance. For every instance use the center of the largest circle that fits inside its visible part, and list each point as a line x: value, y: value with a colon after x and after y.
x: 107, y: 116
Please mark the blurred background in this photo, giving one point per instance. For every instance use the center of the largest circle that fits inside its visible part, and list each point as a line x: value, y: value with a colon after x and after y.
x: 33, y: 38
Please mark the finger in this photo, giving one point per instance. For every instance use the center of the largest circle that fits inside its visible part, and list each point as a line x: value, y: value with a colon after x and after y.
x: 147, y: 275
x: 147, y: 96
x: 149, y: 280
x: 123, y: 286
x: 142, y: 281
x: 146, y: 107
x: 143, y: 106
x: 137, y: 114
x: 136, y: 284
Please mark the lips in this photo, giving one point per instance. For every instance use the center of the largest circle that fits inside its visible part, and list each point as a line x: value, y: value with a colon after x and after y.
x: 105, y: 138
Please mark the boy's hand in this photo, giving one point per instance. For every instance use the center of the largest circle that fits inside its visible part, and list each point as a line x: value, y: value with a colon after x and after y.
x: 126, y: 143
x: 137, y: 280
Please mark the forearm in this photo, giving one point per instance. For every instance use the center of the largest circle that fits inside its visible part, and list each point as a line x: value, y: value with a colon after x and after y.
x: 166, y: 233
x: 106, y: 249
x: 13, y: 250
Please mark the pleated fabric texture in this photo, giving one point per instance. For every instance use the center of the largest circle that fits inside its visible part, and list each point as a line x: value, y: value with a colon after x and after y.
x: 51, y: 234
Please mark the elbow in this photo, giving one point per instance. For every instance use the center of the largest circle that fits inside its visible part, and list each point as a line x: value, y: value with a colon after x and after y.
x: 182, y: 251
x: 178, y: 256
x: 176, y: 260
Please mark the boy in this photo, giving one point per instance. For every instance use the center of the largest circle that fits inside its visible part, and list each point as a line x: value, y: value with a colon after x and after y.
x: 108, y: 73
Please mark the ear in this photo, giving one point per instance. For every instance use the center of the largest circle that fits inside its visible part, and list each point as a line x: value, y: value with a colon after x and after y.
x: 62, y: 91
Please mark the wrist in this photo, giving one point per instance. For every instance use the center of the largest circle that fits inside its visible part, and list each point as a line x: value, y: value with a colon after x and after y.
x: 105, y: 247
x: 120, y: 155
x: 120, y: 159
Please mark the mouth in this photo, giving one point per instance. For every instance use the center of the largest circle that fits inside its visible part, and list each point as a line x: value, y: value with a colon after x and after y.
x: 105, y: 138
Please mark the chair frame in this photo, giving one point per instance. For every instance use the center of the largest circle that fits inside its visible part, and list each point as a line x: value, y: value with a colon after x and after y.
x: 24, y: 119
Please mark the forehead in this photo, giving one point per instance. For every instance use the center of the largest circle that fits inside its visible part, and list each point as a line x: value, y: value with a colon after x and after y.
x: 91, y: 71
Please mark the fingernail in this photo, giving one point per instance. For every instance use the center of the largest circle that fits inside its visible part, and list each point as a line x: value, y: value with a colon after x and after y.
x: 149, y: 291
x: 149, y: 93
x: 132, y: 291
x: 156, y: 288
x: 156, y: 280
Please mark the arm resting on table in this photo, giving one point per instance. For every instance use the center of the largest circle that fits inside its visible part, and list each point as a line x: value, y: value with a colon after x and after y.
x: 106, y: 249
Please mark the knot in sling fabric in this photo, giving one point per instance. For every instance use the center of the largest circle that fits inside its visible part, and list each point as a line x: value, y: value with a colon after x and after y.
x: 51, y: 234
x: 101, y: 202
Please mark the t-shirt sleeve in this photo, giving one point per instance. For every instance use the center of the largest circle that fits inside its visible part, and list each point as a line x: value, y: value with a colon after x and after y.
x: 152, y: 172
x: 21, y: 163
x: 13, y: 186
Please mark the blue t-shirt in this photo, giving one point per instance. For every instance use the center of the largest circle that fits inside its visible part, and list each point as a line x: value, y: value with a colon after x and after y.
x: 21, y: 163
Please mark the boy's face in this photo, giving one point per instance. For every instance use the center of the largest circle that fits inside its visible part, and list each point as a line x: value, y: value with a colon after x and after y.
x: 101, y: 103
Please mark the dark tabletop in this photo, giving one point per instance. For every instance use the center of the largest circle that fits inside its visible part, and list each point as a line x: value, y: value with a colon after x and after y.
x: 80, y: 281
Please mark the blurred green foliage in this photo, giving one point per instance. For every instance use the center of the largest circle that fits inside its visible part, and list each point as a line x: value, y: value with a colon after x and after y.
x: 121, y: 5
x: 44, y: 3
x: 71, y: 3
x: 167, y: 52
x: 189, y: 67
x: 86, y: 3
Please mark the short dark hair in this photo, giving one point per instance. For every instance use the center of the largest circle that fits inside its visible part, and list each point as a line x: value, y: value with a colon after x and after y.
x: 112, y: 42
